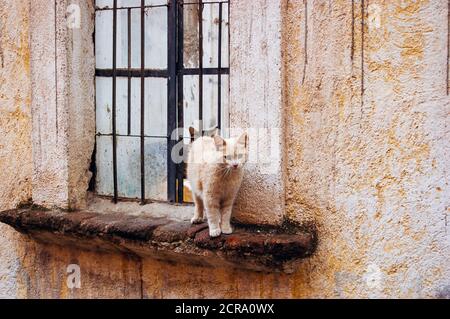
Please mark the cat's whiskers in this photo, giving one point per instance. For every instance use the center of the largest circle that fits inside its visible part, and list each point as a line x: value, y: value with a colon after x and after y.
x: 227, y: 172
x: 224, y: 170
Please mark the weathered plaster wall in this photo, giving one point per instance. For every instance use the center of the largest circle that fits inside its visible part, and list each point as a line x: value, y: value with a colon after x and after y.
x: 62, y: 79
x: 370, y: 169
x: 256, y: 106
x: 15, y: 130
x: 80, y: 100
x: 372, y: 175
x: 15, y: 112
x: 115, y: 276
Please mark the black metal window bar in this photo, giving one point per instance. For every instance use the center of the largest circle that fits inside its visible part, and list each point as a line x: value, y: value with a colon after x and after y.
x: 174, y: 74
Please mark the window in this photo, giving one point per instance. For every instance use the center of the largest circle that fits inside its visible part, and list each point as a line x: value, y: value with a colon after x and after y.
x: 160, y: 66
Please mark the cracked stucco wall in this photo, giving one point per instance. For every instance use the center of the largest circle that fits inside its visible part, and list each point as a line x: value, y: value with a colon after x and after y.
x: 63, y: 104
x: 367, y: 143
x: 15, y: 131
x: 369, y: 168
x: 256, y: 105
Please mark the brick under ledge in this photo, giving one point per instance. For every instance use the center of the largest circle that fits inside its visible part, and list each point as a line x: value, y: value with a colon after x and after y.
x: 249, y: 247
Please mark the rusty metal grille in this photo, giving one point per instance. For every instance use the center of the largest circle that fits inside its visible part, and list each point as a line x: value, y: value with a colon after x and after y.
x: 130, y: 68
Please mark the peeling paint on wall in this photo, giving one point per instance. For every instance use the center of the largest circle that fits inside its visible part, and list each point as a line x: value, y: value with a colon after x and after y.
x: 365, y: 167
x: 15, y: 131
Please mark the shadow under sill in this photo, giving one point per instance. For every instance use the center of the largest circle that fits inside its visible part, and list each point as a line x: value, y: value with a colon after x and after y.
x: 249, y: 247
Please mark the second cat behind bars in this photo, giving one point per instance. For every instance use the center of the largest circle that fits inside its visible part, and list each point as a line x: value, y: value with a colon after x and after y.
x: 215, y: 171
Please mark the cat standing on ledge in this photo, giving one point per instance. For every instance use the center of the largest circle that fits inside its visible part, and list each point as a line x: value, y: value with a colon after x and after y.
x: 215, y: 172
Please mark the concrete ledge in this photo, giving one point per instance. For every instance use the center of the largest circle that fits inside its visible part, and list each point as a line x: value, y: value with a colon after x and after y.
x: 250, y: 247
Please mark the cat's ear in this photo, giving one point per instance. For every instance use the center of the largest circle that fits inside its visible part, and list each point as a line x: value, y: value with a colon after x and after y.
x: 220, y: 142
x: 192, y: 132
x: 212, y: 132
x: 243, y: 140
x: 215, y: 132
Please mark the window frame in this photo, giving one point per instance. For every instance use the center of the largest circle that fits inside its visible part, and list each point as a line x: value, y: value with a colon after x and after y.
x: 62, y: 66
x: 174, y: 73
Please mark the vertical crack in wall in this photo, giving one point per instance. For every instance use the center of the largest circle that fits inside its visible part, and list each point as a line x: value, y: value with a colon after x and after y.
x: 352, y: 53
x: 56, y: 70
x: 2, y: 58
x: 141, y: 277
x: 448, y: 45
x: 306, y: 40
x: 362, y: 57
x: 447, y: 91
x: 445, y: 222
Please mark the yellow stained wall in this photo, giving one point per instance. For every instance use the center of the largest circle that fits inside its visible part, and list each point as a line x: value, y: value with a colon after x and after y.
x: 370, y: 169
x: 15, y: 131
x: 367, y: 161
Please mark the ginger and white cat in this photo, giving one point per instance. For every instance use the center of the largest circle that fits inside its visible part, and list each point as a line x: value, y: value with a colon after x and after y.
x: 215, y: 172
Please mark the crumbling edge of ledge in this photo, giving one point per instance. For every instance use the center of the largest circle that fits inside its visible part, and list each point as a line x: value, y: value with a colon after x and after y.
x: 249, y: 247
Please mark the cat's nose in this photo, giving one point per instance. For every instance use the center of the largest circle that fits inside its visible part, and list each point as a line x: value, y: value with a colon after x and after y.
x: 235, y: 166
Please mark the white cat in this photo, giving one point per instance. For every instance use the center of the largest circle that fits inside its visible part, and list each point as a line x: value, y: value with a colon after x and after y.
x: 215, y: 172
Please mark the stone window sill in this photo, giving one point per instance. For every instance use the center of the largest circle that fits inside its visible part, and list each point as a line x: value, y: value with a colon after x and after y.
x: 249, y: 247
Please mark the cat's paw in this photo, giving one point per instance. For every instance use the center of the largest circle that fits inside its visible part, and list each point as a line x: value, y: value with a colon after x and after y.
x: 197, y: 220
x: 227, y: 230
x: 215, y: 232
